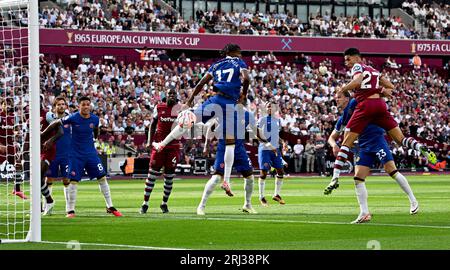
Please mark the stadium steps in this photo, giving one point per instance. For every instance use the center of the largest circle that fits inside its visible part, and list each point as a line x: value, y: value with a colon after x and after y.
x: 410, y: 20
x: 406, y: 18
x: 166, y: 6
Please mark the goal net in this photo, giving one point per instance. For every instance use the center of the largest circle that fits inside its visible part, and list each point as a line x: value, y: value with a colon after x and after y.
x: 17, y: 220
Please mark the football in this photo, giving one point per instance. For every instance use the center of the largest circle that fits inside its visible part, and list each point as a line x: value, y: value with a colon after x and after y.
x: 186, y: 119
x: 323, y: 70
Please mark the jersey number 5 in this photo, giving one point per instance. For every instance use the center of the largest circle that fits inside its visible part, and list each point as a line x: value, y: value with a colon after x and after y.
x: 229, y: 71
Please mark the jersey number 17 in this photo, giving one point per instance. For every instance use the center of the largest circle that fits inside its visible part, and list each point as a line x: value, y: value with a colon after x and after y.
x: 229, y: 71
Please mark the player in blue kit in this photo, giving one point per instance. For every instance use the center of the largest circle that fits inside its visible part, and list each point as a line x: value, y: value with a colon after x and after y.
x: 267, y: 159
x: 59, y: 167
x: 242, y: 163
x: 84, y: 126
x: 226, y: 74
x: 372, y: 146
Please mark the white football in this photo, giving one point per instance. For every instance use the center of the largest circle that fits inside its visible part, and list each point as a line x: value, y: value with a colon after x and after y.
x: 186, y: 119
x: 323, y: 70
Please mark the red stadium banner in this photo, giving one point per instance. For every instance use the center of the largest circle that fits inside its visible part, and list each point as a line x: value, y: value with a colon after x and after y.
x: 136, y: 40
x: 155, y: 40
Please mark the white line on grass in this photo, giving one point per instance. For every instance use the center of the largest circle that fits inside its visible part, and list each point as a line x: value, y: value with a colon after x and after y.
x: 114, y: 245
x: 286, y: 221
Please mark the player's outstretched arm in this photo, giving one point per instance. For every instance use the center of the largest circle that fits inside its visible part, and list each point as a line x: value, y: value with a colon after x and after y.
x: 262, y: 138
x: 388, y: 87
x: 198, y: 88
x: 355, y: 83
x: 151, y: 131
x: 332, y: 142
x: 245, y: 85
x: 95, y: 132
x: 54, y: 138
x: 2, y: 149
x: 53, y: 126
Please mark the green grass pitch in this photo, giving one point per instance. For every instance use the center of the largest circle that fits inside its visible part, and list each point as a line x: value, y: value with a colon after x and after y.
x: 309, y: 220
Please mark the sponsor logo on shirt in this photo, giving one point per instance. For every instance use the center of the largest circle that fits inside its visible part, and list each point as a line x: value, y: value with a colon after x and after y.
x: 167, y: 119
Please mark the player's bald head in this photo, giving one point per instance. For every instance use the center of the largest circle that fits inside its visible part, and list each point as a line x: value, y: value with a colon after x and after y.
x: 171, y: 97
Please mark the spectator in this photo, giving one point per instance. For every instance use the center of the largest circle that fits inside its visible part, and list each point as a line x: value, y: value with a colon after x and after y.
x: 391, y: 63
x: 256, y: 59
x: 319, y: 148
x: 110, y: 149
x: 310, y: 155
x: 416, y: 61
x: 127, y: 167
x: 298, y: 151
x: 183, y: 58
x: 286, y: 150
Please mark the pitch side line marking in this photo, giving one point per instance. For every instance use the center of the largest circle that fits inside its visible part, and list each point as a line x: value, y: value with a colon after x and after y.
x: 334, y: 223
x: 114, y: 245
x: 285, y: 221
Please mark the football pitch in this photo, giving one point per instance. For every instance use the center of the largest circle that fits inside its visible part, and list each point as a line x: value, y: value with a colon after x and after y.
x: 309, y: 220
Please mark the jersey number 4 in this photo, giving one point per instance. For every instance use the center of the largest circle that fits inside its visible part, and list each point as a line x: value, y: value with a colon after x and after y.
x: 229, y: 71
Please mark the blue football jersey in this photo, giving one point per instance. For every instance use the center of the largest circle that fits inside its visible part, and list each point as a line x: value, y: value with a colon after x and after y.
x: 271, y: 128
x: 371, y: 134
x: 82, y: 133
x: 64, y: 144
x: 226, y: 73
x: 243, y: 119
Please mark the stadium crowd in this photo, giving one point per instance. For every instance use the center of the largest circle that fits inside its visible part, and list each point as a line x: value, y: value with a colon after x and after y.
x: 124, y: 96
x: 145, y: 15
x: 435, y: 17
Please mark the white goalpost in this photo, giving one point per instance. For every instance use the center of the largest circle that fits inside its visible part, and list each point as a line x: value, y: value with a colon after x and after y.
x: 20, y: 194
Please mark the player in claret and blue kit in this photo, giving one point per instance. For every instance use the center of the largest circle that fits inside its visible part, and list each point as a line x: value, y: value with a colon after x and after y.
x: 84, y: 126
x: 164, y: 117
x: 372, y: 146
x: 369, y: 86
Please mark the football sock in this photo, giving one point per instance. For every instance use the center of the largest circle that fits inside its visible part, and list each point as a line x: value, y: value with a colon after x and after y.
x: 248, y: 187
x: 411, y: 143
x: 361, y: 194
x: 403, y: 183
x: 46, y: 193
x: 262, y: 187
x: 72, y: 190
x: 66, y: 196
x: 104, y: 188
x: 209, y: 188
x: 50, y: 188
x: 229, y: 158
x: 18, y: 180
x: 278, y: 184
x: 340, y: 161
x: 168, y: 181
x: 149, y: 184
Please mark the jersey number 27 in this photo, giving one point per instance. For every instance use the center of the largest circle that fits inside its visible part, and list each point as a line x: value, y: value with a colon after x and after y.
x: 367, y: 80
